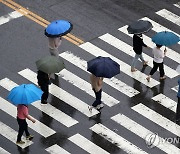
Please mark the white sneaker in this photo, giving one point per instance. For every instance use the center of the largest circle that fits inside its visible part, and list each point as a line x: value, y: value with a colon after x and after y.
x: 100, y: 106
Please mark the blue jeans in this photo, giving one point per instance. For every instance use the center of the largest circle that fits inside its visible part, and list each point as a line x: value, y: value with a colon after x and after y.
x: 136, y: 57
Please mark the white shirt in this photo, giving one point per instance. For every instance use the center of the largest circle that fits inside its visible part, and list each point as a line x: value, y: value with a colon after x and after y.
x: 158, y: 55
x: 54, y: 43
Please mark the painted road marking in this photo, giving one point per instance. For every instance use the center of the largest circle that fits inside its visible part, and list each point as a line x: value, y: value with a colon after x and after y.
x: 86, y: 87
x: 157, y: 118
x: 87, y: 145
x: 117, y: 140
x: 141, y: 77
x: 38, y: 126
x: 56, y: 149
x: 73, y: 39
x: 177, y: 5
x: 3, y: 151
x: 108, y: 38
x: 169, y: 16
x: 175, y: 56
x: 175, y: 88
x: 10, y: 16
x: 165, y: 101
x: 143, y: 133
x: 113, y: 82
x: 48, y: 109
x: 11, y: 134
x: 61, y: 94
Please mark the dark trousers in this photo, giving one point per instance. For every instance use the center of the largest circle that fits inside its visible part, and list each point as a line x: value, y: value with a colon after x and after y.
x: 45, y: 89
x: 178, y: 109
x: 156, y: 66
x: 23, y: 126
x: 98, y: 98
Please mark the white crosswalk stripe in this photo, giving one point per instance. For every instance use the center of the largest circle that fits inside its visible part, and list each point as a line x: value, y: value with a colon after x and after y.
x: 141, y: 77
x: 38, y: 126
x: 157, y: 118
x: 129, y: 50
x: 11, y: 134
x: 165, y: 101
x: 87, y: 145
x: 177, y: 5
x: 169, y: 16
x: 85, y: 86
x: 56, y: 149
x: 48, y: 109
x: 2, y: 151
x: 113, y: 82
x: 116, y: 139
x: 143, y: 133
x: 61, y: 94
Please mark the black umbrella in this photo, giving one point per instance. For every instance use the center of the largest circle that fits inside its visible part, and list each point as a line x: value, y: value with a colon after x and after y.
x: 140, y: 26
x: 103, y: 67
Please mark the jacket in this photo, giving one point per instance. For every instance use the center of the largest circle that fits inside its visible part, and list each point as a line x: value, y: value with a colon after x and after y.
x: 138, y: 44
x: 43, y: 78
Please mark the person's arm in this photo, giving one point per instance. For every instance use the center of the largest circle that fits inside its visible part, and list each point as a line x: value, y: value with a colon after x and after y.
x: 100, y: 81
x: 31, y: 118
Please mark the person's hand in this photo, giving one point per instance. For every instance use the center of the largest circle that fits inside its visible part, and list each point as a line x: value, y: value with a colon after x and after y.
x: 33, y: 120
x: 165, y: 50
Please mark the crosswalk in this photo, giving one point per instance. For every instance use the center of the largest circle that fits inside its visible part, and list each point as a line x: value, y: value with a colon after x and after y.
x: 66, y: 120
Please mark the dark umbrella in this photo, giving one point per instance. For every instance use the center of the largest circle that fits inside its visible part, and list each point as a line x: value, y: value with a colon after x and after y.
x: 50, y: 64
x: 165, y: 38
x: 139, y: 27
x: 103, y: 67
x: 58, y: 28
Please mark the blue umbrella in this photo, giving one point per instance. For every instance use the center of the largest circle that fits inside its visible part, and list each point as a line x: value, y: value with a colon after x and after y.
x: 165, y: 38
x: 24, y: 94
x: 103, y: 67
x: 58, y: 28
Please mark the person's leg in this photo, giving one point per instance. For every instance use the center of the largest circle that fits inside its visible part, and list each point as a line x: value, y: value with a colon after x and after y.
x: 142, y: 59
x: 153, y: 70
x: 161, y: 70
x: 178, y: 110
x: 21, y: 129
x: 136, y: 57
x: 26, y: 128
x: 44, y: 97
x: 54, y: 52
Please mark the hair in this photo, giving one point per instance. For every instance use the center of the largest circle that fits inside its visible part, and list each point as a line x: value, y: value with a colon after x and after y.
x: 158, y: 45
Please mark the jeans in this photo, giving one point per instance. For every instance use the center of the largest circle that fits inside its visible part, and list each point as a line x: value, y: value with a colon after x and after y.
x: 98, y: 97
x: 23, y: 126
x: 136, y: 57
x: 156, y: 66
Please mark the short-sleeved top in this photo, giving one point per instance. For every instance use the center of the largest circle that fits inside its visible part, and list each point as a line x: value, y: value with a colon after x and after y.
x: 54, y: 43
x: 22, y: 111
x: 178, y: 94
x: 158, y: 55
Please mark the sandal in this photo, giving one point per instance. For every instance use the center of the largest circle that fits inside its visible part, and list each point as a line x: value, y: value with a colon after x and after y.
x: 145, y: 63
x: 148, y: 79
x: 133, y: 70
x: 162, y: 78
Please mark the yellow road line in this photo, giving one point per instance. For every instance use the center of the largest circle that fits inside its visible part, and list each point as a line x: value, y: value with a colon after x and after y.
x: 73, y: 39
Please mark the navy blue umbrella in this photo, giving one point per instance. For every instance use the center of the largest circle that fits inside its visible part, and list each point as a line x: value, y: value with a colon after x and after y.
x: 165, y: 38
x: 58, y: 28
x: 103, y: 67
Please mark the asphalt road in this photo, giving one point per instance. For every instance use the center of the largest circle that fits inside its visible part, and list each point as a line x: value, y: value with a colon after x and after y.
x: 23, y: 42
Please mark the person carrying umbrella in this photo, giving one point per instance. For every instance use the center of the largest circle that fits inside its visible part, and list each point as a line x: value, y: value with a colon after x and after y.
x: 158, y: 62
x: 22, y: 114
x: 137, y: 47
x: 43, y: 82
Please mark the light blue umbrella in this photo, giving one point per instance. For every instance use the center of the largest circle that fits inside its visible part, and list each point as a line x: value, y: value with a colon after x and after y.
x: 58, y: 28
x: 165, y: 38
x: 24, y: 94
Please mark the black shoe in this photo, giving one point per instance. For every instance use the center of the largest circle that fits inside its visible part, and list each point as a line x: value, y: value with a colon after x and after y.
x: 30, y: 137
x: 44, y: 102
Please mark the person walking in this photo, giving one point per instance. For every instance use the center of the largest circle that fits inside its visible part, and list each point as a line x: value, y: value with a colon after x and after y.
x: 96, y: 83
x: 137, y: 47
x: 43, y: 82
x: 22, y: 114
x: 178, y: 104
x: 158, y: 62
x: 54, y: 44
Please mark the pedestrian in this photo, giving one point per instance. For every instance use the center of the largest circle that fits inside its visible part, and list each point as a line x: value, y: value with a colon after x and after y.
x: 54, y: 44
x: 22, y: 114
x: 96, y: 83
x: 178, y: 104
x: 43, y: 82
x: 137, y: 47
x: 158, y: 62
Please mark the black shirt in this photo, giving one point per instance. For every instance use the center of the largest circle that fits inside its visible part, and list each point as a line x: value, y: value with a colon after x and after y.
x: 138, y: 44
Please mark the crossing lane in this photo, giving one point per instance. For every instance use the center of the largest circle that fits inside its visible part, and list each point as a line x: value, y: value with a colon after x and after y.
x: 56, y: 149
x: 2, y: 151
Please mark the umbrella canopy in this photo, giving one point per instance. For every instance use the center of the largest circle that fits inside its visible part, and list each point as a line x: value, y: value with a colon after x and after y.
x: 50, y: 64
x: 25, y: 94
x: 165, y: 38
x: 140, y: 26
x: 103, y: 67
x: 58, y: 28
